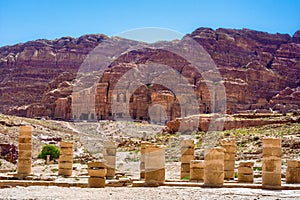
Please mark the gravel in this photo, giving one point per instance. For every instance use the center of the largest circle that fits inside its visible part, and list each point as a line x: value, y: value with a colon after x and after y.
x: 38, y: 192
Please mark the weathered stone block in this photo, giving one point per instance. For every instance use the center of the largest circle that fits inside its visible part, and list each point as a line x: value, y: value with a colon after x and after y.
x: 25, y: 147
x: 272, y: 151
x: 110, y: 160
x: 229, y: 149
x: 271, y: 142
x: 187, y: 158
x: 66, y: 151
x: 97, y: 172
x: 229, y: 156
x: 144, y: 145
x: 214, y: 166
x: 213, y: 178
x: 245, y: 178
x: 188, y: 143
x: 96, y: 182
x: 65, y: 172
x: 22, y: 161
x: 184, y: 174
x: 64, y: 144
x: 293, y: 163
x: 271, y: 179
x: 25, y: 140
x: 110, y: 151
x: 96, y: 164
x: 228, y: 142
x: 292, y: 175
x: 246, y: 164
x: 229, y: 165
x: 187, y: 151
x: 26, y: 131
x: 229, y: 174
x: 65, y: 158
x: 142, y: 174
x: 185, y: 167
x: 271, y: 164
x: 110, y: 172
x: 23, y: 169
x: 155, y: 175
x: 109, y: 144
x: 65, y: 165
x: 214, y: 154
x: 25, y: 154
x: 245, y: 170
x: 155, y: 157
x: 197, y: 164
x: 196, y: 173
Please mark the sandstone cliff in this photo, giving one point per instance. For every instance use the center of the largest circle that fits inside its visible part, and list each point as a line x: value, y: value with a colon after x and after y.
x: 37, y: 77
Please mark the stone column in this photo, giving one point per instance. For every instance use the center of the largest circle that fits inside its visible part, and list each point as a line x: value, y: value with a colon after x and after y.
x: 97, y: 173
x: 154, y: 164
x: 142, y: 162
x: 197, y: 170
x: 47, y: 159
x: 214, y: 167
x: 109, y: 155
x: 271, y: 163
x: 65, y: 165
x: 25, y: 151
x: 187, y: 154
x: 245, y: 172
x: 293, y: 171
x: 229, y: 158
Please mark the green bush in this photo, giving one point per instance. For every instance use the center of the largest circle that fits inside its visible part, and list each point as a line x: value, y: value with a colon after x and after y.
x: 51, y: 150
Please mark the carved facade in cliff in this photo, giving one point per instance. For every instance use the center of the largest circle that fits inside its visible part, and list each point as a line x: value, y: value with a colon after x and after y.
x: 36, y: 78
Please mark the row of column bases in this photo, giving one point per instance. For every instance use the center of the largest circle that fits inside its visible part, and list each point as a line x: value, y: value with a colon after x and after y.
x: 97, y: 171
x: 218, y: 163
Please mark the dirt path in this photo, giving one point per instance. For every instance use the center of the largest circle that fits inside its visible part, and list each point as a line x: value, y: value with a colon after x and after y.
x: 171, y: 193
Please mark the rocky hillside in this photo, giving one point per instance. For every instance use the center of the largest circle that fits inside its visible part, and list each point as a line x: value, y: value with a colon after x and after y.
x: 260, y: 71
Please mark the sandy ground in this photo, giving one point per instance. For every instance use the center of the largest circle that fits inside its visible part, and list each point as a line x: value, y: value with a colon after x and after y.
x: 144, y: 193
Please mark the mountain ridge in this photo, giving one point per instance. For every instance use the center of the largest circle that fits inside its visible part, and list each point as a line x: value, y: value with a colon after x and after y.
x: 256, y: 66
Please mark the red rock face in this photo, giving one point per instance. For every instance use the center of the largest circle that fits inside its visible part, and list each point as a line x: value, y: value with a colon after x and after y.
x: 37, y: 77
x: 34, y: 75
x: 287, y: 99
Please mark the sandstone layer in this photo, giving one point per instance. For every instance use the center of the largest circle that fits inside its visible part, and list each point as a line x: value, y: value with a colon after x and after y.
x: 260, y: 71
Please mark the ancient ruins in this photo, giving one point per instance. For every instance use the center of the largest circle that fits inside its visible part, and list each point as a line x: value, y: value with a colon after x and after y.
x: 218, y: 168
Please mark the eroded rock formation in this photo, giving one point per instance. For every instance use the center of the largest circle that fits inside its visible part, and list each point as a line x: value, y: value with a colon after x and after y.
x: 37, y: 77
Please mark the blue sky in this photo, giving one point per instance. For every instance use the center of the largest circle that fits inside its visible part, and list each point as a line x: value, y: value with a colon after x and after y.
x: 24, y: 20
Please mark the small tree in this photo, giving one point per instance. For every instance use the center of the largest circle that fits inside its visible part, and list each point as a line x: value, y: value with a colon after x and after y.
x: 51, y: 150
